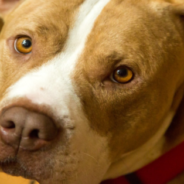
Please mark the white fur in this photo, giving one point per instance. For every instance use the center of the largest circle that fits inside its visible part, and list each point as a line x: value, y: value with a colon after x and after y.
x: 51, y: 85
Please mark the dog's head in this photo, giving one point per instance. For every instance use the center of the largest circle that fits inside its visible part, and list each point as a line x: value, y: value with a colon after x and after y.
x: 84, y: 82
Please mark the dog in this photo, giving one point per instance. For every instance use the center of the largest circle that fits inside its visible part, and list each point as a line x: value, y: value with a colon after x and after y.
x: 90, y: 90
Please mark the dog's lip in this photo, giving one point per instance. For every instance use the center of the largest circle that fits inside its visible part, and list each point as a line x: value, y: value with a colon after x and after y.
x: 8, y: 161
x: 21, y: 154
x: 11, y: 165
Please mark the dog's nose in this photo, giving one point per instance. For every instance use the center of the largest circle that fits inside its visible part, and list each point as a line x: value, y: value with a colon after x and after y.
x: 26, y: 129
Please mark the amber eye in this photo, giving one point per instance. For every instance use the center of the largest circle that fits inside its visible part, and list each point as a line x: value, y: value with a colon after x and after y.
x: 123, y: 75
x: 23, y: 45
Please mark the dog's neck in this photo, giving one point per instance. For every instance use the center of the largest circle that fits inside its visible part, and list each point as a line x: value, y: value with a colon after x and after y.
x: 142, y: 156
x: 168, y: 136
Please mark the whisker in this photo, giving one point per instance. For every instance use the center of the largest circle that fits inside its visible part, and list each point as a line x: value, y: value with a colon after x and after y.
x: 93, y: 158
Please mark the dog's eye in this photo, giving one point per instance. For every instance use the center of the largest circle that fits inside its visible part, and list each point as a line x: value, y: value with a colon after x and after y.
x: 23, y: 45
x: 123, y: 75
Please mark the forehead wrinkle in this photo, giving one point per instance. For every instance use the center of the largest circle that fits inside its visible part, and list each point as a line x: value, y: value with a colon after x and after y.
x: 45, y: 12
x: 56, y: 36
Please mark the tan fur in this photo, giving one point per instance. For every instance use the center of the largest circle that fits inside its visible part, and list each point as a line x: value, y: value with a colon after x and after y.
x: 42, y: 29
x: 110, y: 46
x: 145, y: 35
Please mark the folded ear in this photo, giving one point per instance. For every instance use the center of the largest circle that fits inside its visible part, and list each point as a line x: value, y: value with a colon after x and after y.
x: 6, y: 6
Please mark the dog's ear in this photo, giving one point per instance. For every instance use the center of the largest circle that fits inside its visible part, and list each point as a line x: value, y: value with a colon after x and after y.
x: 6, y: 6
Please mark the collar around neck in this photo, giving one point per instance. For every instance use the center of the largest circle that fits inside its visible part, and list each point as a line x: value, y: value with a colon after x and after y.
x: 161, y: 171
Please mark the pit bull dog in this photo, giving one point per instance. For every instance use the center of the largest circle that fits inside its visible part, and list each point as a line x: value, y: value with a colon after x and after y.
x: 89, y: 89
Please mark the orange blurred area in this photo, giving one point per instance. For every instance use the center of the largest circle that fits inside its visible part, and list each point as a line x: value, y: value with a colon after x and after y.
x: 6, y: 179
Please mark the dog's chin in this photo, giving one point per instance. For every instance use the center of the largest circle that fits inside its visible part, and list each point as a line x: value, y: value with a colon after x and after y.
x: 40, y: 166
x: 13, y: 167
x: 27, y: 166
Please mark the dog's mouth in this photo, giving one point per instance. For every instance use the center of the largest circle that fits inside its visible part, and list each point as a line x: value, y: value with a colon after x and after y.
x: 8, y: 162
x: 14, y: 167
x: 41, y: 165
x: 35, y: 165
x: 30, y: 137
x: 23, y: 165
x: 22, y: 152
x: 30, y: 164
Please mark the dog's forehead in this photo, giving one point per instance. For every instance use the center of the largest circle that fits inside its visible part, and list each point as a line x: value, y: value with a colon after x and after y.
x: 54, y: 20
x: 67, y: 35
x: 39, y: 16
x: 59, y: 17
x: 119, y: 34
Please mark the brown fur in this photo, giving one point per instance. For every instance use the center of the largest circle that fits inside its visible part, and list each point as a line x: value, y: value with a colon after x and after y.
x: 130, y: 125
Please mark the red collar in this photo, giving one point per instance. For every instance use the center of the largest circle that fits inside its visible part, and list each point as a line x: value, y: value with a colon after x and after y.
x: 161, y: 171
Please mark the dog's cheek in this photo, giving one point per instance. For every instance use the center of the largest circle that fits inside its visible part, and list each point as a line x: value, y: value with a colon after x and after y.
x: 123, y: 119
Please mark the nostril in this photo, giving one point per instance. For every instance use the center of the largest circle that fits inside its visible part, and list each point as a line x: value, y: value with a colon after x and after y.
x: 34, y: 134
x: 28, y: 129
x: 9, y: 125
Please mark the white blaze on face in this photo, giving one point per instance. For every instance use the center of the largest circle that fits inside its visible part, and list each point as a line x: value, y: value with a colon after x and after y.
x: 51, y: 85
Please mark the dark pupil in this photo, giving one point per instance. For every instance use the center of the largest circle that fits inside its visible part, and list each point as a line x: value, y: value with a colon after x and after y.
x: 123, y: 72
x: 26, y: 43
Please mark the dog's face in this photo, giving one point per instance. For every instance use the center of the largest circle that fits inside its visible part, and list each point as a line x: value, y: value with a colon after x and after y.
x: 101, y: 74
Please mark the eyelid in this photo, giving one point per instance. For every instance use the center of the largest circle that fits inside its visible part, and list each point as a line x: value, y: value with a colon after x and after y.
x: 112, y: 78
x: 15, y: 43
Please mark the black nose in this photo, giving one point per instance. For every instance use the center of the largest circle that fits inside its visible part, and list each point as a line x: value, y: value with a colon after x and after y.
x: 27, y: 129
